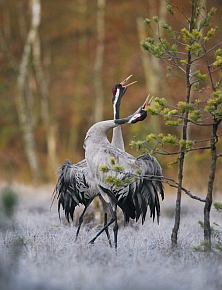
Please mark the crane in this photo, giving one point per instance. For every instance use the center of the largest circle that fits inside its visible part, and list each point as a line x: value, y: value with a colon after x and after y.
x: 131, y: 183
x: 75, y: 184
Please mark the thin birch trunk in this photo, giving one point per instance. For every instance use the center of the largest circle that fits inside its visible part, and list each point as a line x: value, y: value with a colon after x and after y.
x: 22, y: 108
x: 49, y: 126
x: 81, y: 77
x: 185, y: 132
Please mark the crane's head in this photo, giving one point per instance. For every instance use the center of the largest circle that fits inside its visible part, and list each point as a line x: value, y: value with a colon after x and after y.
x: 119, y: 90
x: 138, y: 116
x: 141, y: 113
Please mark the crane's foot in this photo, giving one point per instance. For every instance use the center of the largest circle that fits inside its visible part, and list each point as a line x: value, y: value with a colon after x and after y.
x: 91, y: 242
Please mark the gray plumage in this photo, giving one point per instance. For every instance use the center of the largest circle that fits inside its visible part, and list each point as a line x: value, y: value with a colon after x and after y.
x: 126, y: 185
x: 75, y: 184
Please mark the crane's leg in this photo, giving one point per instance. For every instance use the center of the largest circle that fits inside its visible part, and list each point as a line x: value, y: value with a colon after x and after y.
x: 80, y: 222
x: 106, y: 229
x: 115, y: 230
x: 105, y: 209
x: 113, y: 218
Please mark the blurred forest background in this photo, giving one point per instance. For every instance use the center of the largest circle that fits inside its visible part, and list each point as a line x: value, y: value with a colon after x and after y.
x: 58, y: 63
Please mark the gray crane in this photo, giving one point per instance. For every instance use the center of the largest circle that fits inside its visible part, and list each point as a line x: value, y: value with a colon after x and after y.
x: 131, y: 183
x: 75, y: 184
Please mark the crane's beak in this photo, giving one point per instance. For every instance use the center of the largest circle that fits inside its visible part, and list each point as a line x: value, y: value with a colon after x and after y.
x: 147, y: 102
x: 124, y: 81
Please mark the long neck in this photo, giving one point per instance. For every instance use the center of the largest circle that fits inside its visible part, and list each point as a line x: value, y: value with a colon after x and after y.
x: 117, y: 139
x: 123, y: 120
x: 97, y: 134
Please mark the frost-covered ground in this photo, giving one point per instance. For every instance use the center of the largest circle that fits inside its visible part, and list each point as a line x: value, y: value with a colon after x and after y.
x: 39, y: 252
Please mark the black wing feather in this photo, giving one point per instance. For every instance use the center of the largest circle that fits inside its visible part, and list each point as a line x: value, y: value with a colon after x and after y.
x: 72, y: 188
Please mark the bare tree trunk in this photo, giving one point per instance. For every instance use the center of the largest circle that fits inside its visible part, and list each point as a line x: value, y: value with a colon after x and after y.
x: 207, y: 208
x: 181, y: 161
x: 22, y: 108
x: 99, y: 94
x: 49, y: 126
x: 151, y: 65
x: 81, y: 77
x: 185, y: 133
x: 209, y: 197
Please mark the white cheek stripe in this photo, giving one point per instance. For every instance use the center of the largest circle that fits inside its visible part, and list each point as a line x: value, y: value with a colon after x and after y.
x: 134, y: 117
x: 115, y: 101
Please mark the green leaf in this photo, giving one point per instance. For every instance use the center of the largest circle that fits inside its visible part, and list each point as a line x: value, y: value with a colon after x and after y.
x: 150, y: 137
x: 196, y: 48
x: 218, y: 206
x: 218, y: 52
x: 218, y: 62
x: 169, y: 68
x: 152, y: 111
x: 218, y: 113
x: 186, y: 144
x: 173, y: 123
x: 161, y: 101
x: 196, y: 35
x: 165, y: 25
x: 173, y: 112
x: 173, y: 163
x: 201, y: 223
x: 187, y: 36
x: 216, y: 224
x: 195, y: 115
x: 202, y: 77
x: 196, y: 86
x: 170, y: 139
x: 112, y: 160
x: 118, y: 168
x: 147, y: 21
x: 165, y: 111
x: 110, y: 179
x: 174, y: 50
x: 170, y: 9
x: 185, y: 107
x: 183, y: 62
x: 169, y: 30
x: 104, y: 168
x: 206, y: 20
x: 155, y: 18
x: 135, y: 178
x: 211, y: 32
x: 213, y: 11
